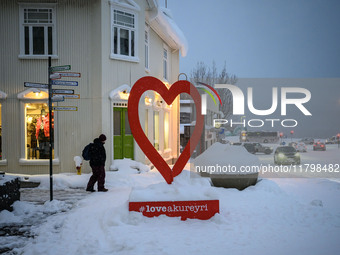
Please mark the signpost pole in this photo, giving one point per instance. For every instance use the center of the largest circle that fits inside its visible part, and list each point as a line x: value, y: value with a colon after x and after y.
x: 50, y: 129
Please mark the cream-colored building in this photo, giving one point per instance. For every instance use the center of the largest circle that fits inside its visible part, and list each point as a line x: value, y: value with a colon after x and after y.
x: 210, y: 111
x: 112, y: 44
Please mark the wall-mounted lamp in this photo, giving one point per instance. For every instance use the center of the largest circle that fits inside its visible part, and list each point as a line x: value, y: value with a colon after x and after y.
x: 124, y: 95
x: 148, y: 100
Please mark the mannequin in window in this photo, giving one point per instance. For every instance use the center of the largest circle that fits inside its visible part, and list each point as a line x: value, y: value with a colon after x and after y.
x: 46, y: 122
x: 42, y: 139
x: 31, y: 133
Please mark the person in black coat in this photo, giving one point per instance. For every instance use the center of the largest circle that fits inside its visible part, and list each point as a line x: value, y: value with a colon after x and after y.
x: 97, y: 162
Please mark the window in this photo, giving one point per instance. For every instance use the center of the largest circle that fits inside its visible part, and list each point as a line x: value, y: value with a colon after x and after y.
x: 37, y: 131
x: 156, y: 130
x: 117, y: 123
x: 147, y: 123
x: 37, y: 31
x: 127, y: 125
x: 124, y: 35
x: 166, y: 130
x: 146, y: 47
x: 165, y: 63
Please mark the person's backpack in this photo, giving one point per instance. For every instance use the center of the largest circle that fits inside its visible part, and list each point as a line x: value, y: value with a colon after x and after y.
x: 86, y: 152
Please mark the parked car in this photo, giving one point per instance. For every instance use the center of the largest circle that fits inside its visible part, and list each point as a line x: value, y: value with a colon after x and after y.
x: 307, y: 140
x: 286, y: 155
x: 332, y: 140
x: 293, y: 144
x: 301, y: 147
x: 263, y: 149
x: 319, y: 146
x: 250, y: 147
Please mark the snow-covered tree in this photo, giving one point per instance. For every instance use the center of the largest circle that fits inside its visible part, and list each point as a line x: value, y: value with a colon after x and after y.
x: 211, y: 76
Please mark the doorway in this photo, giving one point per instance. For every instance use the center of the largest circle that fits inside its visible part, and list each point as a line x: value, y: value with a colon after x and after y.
x: 122, y: 136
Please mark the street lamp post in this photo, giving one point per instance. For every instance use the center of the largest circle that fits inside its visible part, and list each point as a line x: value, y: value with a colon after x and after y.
x: 244, y: 126
x: 281, y: 135
x: 292, y: 133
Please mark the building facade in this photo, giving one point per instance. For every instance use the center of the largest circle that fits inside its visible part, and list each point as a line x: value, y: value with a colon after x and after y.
x: 188, y: 121
x: 112, y: 44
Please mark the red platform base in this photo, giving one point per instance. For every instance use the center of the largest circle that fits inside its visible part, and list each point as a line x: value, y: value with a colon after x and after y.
x: 201, y: 209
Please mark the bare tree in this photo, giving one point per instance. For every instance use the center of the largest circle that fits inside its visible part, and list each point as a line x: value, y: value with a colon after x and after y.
x: 202, y: 73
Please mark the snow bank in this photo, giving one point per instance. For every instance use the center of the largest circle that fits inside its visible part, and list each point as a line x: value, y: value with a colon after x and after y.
x: 61, y: 181
x: 6, y: 178
x: 184, y: 187
x: 226, y: 159
x: 24, y: 211
x: 128, y: 165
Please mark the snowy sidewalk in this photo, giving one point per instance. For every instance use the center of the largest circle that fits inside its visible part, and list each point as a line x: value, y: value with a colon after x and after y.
x: 35, y: 208
x: 40, y: 196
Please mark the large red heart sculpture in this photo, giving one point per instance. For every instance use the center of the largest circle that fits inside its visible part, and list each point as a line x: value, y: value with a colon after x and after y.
x: 169, y: 95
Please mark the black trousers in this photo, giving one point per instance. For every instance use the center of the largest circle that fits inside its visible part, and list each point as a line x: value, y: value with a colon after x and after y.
x: 98, y: 174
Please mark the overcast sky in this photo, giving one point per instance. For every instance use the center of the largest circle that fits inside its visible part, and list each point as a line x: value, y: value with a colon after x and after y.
x: 262, y: 38
x: 270, y: 39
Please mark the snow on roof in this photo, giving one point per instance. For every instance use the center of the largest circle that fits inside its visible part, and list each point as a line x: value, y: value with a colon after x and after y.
x: 26, y: 93
x: 3, y: 95
x: 115, y: 94
x: 162, y: 22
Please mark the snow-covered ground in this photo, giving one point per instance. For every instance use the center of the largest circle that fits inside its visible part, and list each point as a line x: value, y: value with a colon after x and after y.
x: 277, y: 216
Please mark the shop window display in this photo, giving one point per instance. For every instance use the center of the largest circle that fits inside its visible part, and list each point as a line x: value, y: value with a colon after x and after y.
x: 38, y: 131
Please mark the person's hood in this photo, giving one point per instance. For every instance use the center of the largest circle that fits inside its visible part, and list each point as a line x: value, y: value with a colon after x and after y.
x: 96, y: 140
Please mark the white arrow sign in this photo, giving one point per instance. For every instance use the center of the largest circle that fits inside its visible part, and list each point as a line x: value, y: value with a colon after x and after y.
x: 36, y: 85
x: 57, y: 98
x: 69, y: 74
x: 62, y: 91
x: 65, y: 83
x: 73, y: 96
x: 55, y: 76
x: 65, y: 108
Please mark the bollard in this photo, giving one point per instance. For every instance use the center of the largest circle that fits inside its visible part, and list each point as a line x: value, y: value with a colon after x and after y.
x: 79, y: 162
x: 78, y: 170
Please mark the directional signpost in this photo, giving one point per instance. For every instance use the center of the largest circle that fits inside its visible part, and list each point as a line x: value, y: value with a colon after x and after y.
x: 68, y: 74
x: 57, y: 95
x: 57, y: 98
x: 55, y: 76
x: 65, y: 108
x: 35, y: 85
x: 62, y: 91
x: 74, y: 96
x: 54, y: 69
x: 50, y: 121
x: 65, y: 83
